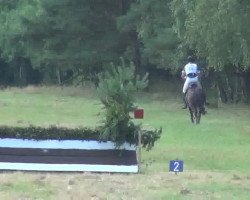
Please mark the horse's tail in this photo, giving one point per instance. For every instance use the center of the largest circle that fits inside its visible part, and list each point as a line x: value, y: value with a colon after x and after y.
x: 201, y: 99
x: 195, y: 96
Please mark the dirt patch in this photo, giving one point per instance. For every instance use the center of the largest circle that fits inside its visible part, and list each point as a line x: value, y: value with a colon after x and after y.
x: 185, y: 191
x: 236, y: 177
x: 128, y: 186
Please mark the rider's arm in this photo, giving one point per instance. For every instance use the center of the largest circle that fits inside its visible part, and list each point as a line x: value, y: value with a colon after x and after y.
x: 183, y: 74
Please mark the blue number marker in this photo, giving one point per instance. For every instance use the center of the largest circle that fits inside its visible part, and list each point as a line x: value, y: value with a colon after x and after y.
x: 176, y: 166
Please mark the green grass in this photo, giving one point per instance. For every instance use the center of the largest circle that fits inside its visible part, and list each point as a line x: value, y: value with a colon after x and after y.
x: 216, y: 190
x: 220, y: 144
x: 26, y: 189
x: 48, y: 106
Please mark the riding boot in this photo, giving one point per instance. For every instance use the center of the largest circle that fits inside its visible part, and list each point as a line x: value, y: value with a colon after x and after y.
x: 184, y: 101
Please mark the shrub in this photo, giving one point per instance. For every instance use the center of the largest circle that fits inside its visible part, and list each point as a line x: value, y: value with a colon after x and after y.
x: 117, y: 88
x: 53, y: 132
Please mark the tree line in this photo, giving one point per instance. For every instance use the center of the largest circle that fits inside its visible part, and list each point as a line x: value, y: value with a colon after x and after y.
x: 69, y: 41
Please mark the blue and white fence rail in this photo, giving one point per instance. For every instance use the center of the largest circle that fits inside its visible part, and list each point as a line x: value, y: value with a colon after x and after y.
x: 66, y: 155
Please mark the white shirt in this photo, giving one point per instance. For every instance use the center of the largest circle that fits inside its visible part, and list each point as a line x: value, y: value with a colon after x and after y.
x: 191, y: 68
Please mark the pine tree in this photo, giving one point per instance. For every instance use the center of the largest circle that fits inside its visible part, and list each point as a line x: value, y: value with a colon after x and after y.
x: 116, y: 89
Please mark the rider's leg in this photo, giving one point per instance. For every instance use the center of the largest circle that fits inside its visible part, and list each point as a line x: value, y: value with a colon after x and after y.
x: 184, y: 101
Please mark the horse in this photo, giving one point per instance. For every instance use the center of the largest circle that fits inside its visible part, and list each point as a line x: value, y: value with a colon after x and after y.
x: 195, y: 99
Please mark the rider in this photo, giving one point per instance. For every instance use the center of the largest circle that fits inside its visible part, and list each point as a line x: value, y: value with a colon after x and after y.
x: 190, y: 74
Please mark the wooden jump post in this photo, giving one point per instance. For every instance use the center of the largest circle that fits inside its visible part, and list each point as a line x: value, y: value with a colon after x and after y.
x: 139, y: 114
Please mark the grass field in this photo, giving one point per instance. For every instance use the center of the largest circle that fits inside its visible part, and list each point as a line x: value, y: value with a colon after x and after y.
x: 216, y: 153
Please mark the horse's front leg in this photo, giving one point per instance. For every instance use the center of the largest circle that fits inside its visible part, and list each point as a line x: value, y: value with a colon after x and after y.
x: 198, y: 117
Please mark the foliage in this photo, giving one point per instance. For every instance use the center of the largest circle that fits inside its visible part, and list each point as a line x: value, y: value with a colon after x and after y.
x: 153, y: 21
x: 229, y: 30
x: 218, y: 32
x: 53, y: 132
x: 116, y: 89
x: 62, y: 133
x: 148, y: 137
x: 60, y: 34
x: 80, y: 36
x: 81, y: 33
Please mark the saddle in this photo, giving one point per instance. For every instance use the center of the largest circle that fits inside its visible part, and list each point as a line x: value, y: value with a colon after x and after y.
x: 192, y: 85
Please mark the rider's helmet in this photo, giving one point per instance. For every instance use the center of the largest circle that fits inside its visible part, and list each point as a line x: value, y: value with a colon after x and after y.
x: 191, y: 59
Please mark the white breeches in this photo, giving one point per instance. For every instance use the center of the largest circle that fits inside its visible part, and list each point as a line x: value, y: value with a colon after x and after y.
x: 190, y: 80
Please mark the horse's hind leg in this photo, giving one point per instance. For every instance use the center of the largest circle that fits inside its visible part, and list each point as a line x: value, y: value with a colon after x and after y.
x: 191, y: 115
x: 198, y: 117
x: 203, y: 110
x: 195, y: 116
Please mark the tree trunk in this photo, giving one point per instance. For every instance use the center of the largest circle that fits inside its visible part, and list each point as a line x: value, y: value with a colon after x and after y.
x: 246, y: 91
x: 58, y: 74
x: 221, y: 89
x: 19, y: 66
x: 232, y: 86
x: 137, y: 53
